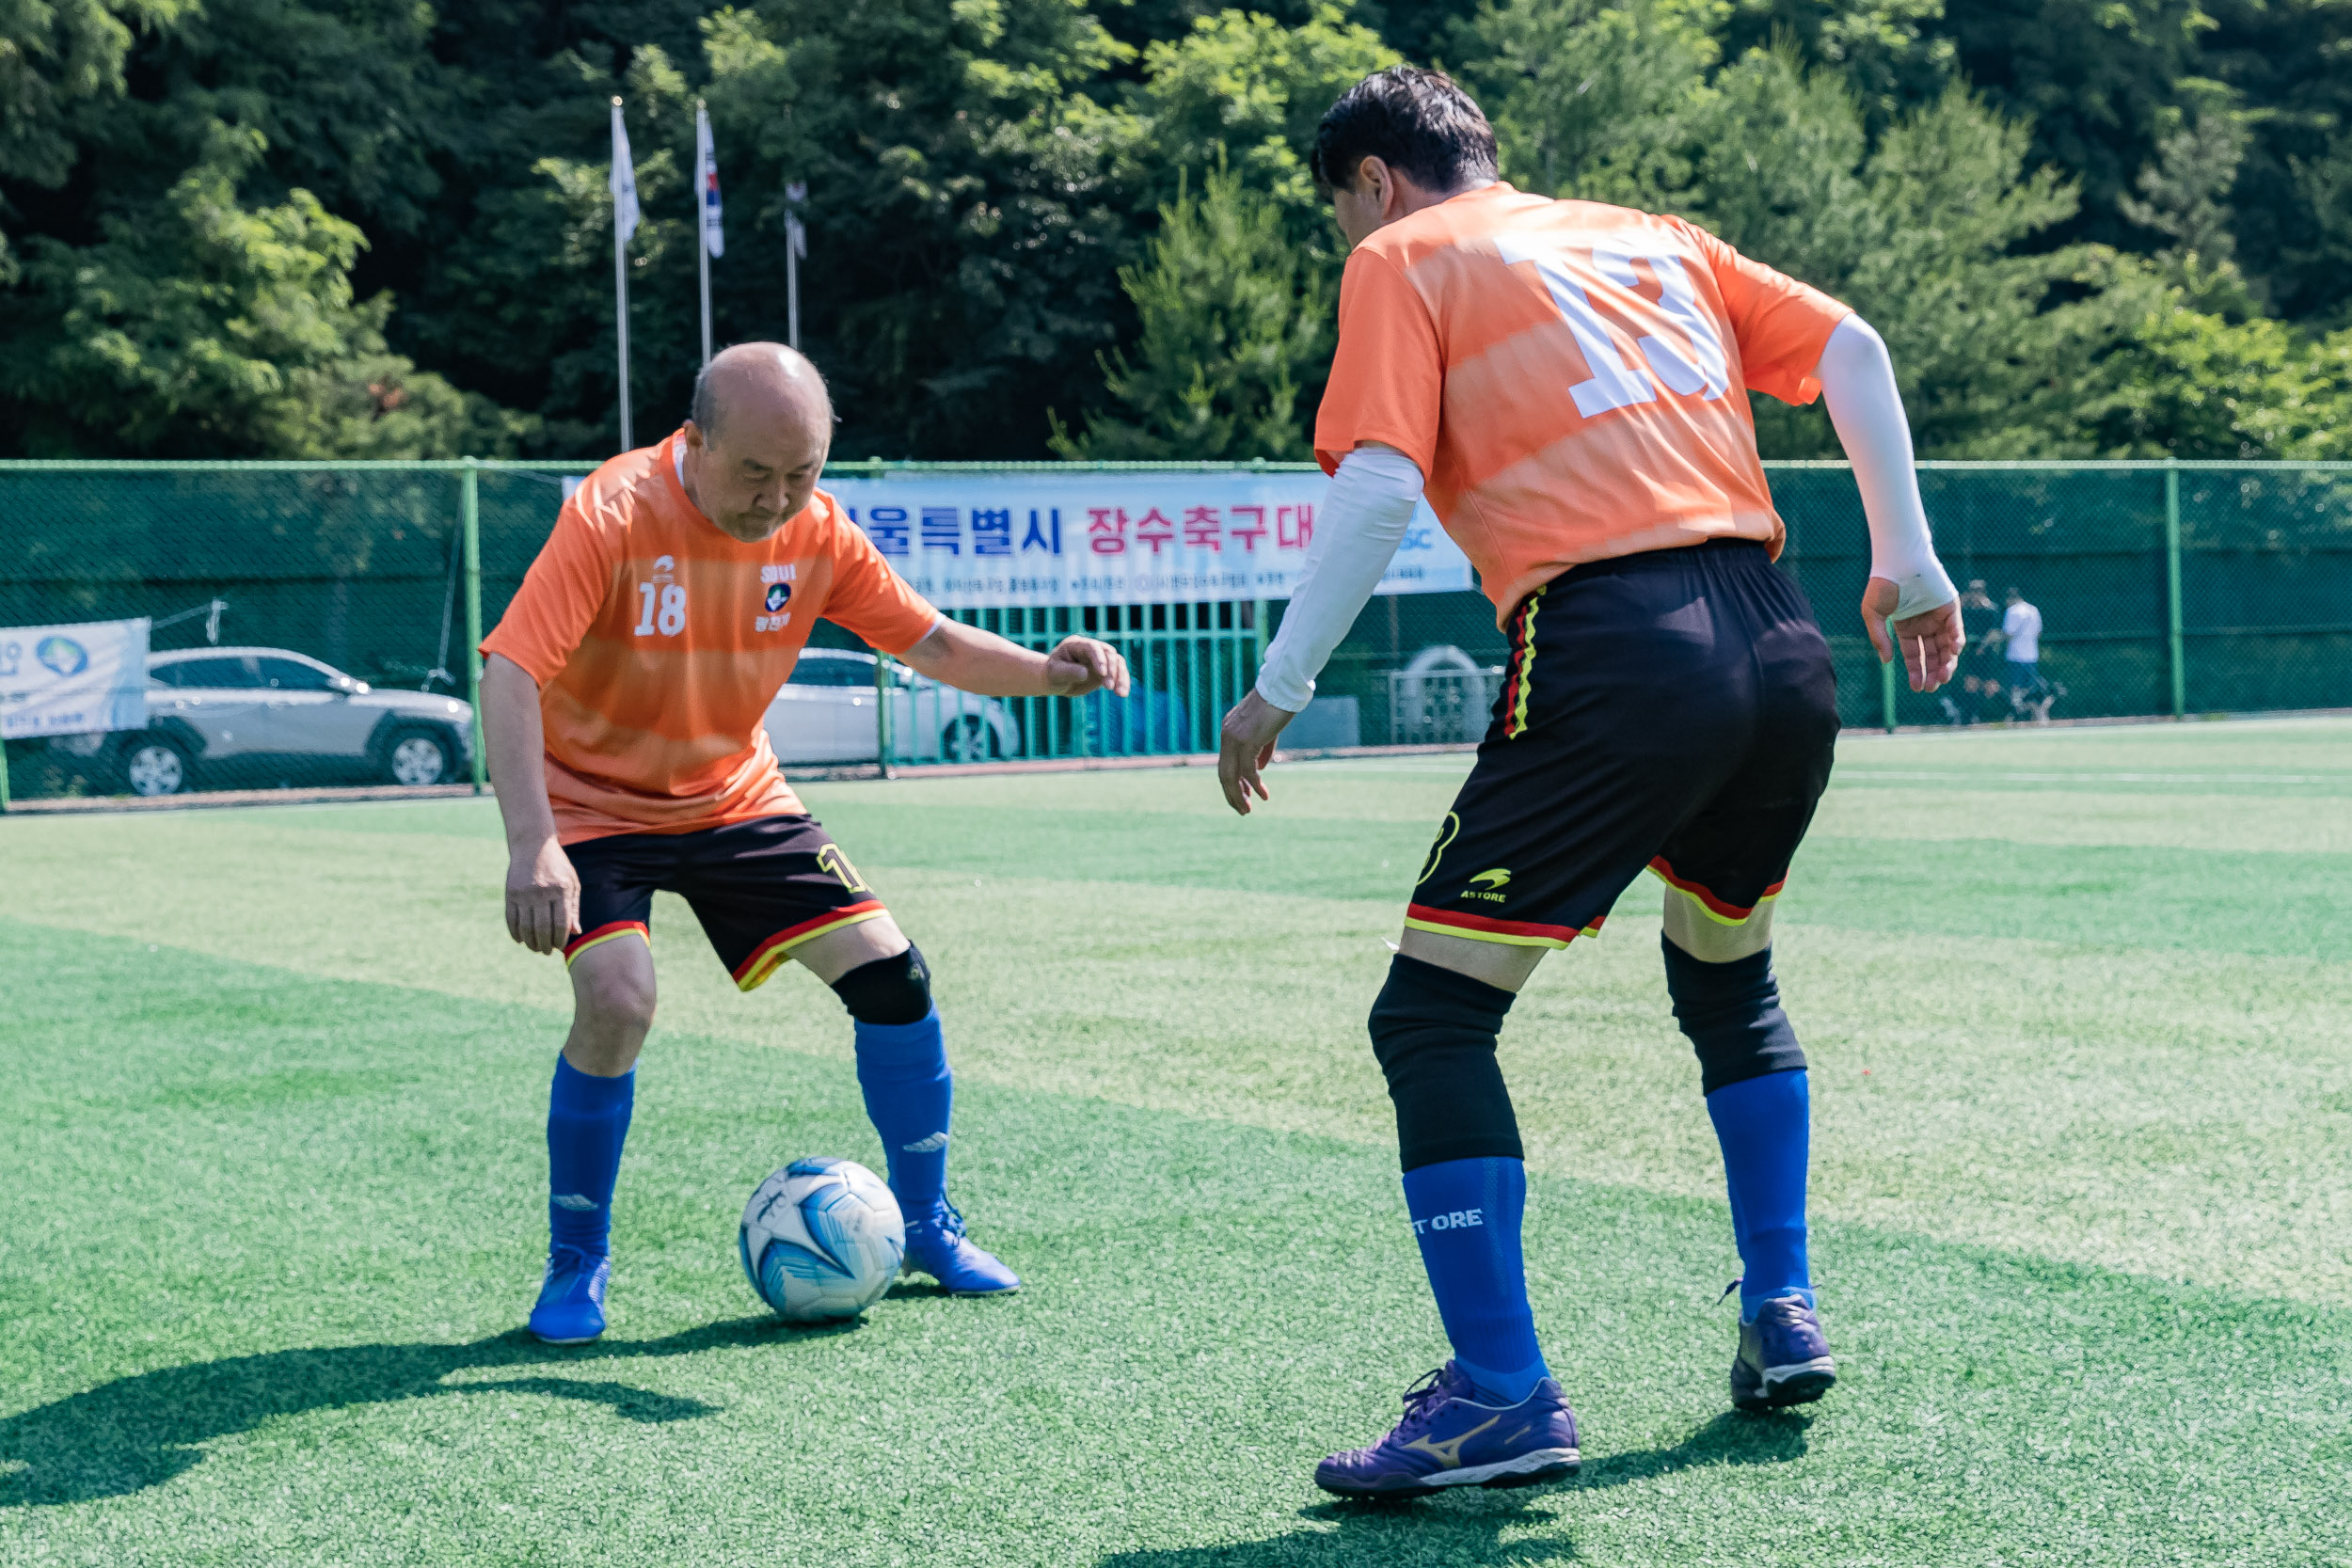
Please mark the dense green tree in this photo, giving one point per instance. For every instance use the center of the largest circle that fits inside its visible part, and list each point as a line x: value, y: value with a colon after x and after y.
x: 965, y: 230
x: 1590, y: 99
x: 2288, y: 67
x: 2195, y: 379
x: 1892, y: 54
x: 57, y: 59
x: 204, y: 325
x: 2091, y: 78
x: 1236, y: 319
x: 1237, y: 87
x: 377, y: 225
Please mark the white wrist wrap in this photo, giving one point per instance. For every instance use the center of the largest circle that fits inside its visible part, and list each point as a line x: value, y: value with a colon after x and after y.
x: 1859, y: 384
x: 1361, y: 523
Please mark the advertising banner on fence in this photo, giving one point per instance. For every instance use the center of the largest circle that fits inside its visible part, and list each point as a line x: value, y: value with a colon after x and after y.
x: 1008, y: 540
x: 72, y: 679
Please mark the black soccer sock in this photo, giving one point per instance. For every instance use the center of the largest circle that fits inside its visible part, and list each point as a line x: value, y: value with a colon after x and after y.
x: 1434, y: 1032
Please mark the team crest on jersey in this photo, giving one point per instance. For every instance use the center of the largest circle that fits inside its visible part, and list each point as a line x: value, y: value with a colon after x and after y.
x: 779, y: 593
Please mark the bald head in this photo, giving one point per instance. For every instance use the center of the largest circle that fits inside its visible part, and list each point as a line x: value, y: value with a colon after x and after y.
x: 759, y: 380
x: 756, y: 440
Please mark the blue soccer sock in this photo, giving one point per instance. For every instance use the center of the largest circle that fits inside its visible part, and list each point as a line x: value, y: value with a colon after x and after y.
x: 1467, y: 1215
x: 910, y: 1094
x: 1764, y: 1126
x: 587, y: 1123
x: 1752, y: 1073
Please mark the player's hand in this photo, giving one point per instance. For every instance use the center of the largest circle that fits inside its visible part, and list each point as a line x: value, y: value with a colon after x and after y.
x: 1081, y: 665
x: 1929, y: 642
x: 542, y: 897
x: 1245, y: 749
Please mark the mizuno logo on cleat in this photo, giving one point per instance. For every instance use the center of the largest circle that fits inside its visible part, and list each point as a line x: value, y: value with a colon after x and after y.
x: 1449, y: 1453
x: 578, y: 1203
x: 932, y: 1145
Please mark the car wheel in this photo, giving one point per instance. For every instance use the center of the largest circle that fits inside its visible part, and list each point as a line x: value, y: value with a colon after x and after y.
x: 419, y: 757
x: 154, y: 766
x: 968, y: 740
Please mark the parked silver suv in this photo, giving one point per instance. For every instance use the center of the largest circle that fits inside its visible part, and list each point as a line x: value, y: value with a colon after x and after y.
x: 266, y: 716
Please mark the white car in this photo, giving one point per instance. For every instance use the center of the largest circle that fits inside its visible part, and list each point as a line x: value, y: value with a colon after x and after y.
x: 825, y: 713
x: 262, y: 715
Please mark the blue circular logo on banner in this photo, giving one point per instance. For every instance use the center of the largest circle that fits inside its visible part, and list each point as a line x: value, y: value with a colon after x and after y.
x: 62, y: 655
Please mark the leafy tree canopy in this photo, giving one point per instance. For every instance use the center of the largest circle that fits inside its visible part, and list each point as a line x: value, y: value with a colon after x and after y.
x: 380, y: 226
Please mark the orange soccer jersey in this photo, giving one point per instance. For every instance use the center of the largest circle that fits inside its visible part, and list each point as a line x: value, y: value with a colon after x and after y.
x: 1572, y: 378
x: 659, y: 641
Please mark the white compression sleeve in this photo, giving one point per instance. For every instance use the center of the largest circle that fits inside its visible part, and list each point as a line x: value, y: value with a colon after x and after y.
x: 1859, y: 384
x: 1364, y: 520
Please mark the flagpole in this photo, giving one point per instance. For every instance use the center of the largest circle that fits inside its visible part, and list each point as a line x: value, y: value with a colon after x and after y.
x: 620, y: 291
x: 795, y: 247
x: 702, y: 209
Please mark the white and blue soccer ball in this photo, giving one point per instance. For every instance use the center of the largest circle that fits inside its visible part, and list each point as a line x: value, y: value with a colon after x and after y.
x: 821, y: 1240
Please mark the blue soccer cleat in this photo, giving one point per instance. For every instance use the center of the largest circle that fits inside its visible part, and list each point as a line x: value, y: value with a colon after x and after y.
x: 1783, y: 1357
x: 936, y: 1246
x: 1450, y: 1439
x: 571, y: 1298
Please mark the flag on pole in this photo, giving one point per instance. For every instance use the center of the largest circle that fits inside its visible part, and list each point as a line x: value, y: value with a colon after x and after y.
x: 706, y: 160
x: 623, y: 225
x: 624, y: 180
x: 795, y: 249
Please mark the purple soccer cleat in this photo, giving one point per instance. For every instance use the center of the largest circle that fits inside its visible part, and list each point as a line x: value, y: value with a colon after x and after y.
x: 1449, y: 1438
x: 1783, y: 1357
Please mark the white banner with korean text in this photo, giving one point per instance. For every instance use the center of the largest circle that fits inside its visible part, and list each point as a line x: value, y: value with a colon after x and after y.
x: 1018, y: 540
x: 72, y: 679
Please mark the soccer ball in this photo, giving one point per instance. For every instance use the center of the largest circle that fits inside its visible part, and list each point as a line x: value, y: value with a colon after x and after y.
x: 821, y: 1240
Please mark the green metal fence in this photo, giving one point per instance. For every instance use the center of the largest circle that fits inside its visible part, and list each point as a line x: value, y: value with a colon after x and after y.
x: 2164, y: 590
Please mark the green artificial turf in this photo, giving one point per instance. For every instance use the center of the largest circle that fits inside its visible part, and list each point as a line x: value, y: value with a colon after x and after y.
x: 2076, y: 1005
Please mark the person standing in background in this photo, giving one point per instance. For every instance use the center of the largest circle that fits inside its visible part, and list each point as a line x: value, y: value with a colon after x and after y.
x: 2029, y: 695
x: 1979, y: 680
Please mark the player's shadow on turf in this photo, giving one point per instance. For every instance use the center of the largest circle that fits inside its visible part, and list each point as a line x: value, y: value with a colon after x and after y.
x: 1467, y: 1527
x: 138, y: 1431
x: 1463, y: 1528
x: 1734, y: 1437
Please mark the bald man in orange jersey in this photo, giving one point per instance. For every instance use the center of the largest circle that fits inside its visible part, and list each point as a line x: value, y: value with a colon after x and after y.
x: 622, y: 702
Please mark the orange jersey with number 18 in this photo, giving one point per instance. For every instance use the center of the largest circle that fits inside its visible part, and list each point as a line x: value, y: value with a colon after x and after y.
x: 1572, y: 378
x: 657, y: 642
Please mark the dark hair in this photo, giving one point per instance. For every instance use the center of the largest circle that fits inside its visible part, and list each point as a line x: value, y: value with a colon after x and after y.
x: 1417, y: 121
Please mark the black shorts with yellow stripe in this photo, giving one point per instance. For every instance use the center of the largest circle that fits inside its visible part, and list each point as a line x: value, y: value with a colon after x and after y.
x: 761, y: 888
x: 1672, y: 711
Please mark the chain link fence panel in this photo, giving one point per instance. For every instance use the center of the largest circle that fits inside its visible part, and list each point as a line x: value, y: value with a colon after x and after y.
x: 310, y: 621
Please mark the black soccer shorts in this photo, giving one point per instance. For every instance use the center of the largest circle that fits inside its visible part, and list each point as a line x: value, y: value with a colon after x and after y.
x: 759, y: 888
x: 1674, y: 710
